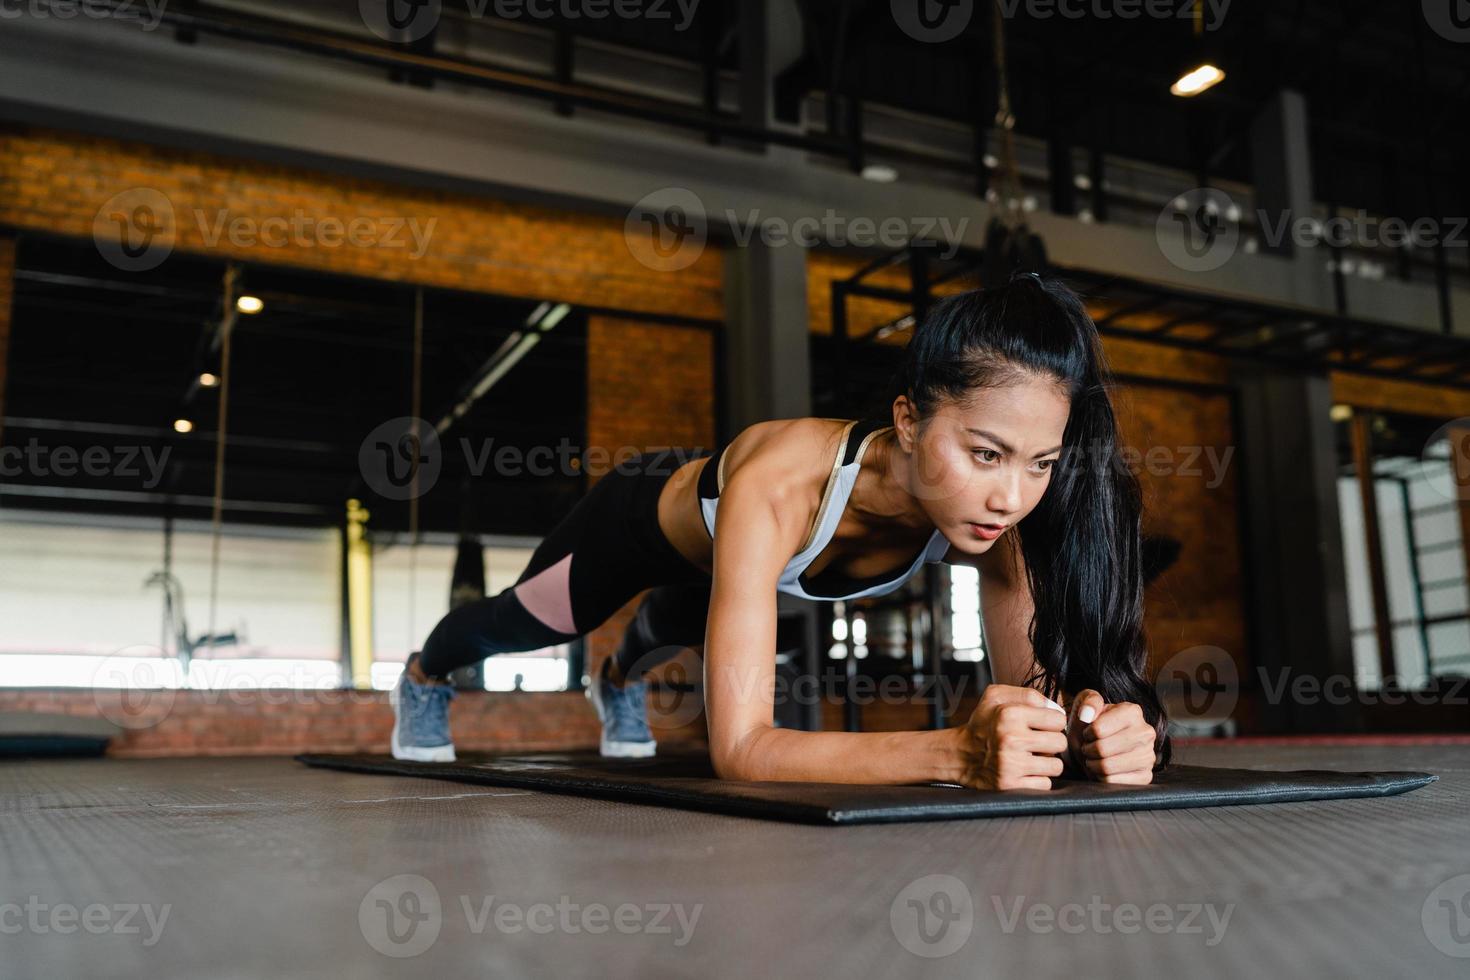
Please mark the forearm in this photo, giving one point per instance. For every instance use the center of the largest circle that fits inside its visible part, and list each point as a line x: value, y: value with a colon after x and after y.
x: 871, y: 758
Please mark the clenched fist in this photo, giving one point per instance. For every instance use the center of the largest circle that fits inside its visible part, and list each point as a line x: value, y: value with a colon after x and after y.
x: 1014, y: 740
x: 1114, y: 743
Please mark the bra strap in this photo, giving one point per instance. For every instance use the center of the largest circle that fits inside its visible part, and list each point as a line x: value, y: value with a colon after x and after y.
x: 862, y: 448
x: 831, y: 482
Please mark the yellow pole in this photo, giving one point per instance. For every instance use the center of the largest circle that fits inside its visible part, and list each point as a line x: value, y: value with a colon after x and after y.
x: 359, y: 596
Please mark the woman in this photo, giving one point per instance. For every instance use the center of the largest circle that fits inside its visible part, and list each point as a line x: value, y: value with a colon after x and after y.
x: 1002, y: 453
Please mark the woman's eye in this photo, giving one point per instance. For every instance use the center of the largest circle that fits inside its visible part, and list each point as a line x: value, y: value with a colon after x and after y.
x: 1044, y: 464
x: 987, y: 455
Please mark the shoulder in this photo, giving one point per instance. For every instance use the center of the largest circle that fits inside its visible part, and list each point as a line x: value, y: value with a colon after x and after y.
x: 784, y: 448
x: 786, y: 461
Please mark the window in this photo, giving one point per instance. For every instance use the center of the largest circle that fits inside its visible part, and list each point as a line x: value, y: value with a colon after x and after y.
x: 86, y: 604
x: 965, y: 620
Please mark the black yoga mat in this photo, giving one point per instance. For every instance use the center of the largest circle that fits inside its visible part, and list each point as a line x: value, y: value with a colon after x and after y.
x: 687, y: 781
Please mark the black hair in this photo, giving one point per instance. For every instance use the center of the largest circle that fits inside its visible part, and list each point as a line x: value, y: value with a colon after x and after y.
x: 1081, y: 543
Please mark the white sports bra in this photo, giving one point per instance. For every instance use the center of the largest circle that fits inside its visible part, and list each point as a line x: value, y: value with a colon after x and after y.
x: 827, y: 584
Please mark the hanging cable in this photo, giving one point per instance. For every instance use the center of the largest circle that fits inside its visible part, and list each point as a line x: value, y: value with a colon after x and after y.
x: 1005, y: 121
x: 418, y: 426
x: 224, y: 337
x: 1009, y: 244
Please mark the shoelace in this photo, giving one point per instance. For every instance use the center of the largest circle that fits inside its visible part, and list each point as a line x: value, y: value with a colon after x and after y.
x: 627, y: 704
x: 430, y: 694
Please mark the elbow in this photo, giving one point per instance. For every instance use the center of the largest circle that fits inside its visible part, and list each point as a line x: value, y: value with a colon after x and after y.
x: 731, y: 757
x: 729, y: 769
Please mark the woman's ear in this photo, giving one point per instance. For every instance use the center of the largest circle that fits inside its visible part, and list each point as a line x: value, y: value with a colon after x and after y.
x: 905, y: 423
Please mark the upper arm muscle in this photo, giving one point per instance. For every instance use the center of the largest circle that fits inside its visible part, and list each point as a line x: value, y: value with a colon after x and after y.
x: 759, y: 526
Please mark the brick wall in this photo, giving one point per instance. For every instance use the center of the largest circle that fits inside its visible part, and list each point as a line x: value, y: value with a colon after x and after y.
x: 59, y: 182
x: 1191, y: 494
x: 648, y: 386
x: 163, y: 723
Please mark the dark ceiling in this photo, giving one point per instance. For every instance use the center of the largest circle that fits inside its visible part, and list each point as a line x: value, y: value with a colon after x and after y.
x: 1388, y: 95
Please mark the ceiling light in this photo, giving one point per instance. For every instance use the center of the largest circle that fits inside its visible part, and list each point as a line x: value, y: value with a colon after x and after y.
x: 555, y: 316
x: 1341, y: 413
x: 880, y: 173
x: 1197, y: 80
x: 249, y: 304
x: 183, y: 425
x: 207, y: 380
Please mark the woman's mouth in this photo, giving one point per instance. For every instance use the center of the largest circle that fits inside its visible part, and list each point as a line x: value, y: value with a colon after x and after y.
x: 988, y: 532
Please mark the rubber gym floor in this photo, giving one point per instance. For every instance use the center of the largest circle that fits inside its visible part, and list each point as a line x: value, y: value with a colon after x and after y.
x: 261, y: 866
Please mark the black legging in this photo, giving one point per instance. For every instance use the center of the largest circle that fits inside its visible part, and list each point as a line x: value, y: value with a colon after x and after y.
x: 616, y: 550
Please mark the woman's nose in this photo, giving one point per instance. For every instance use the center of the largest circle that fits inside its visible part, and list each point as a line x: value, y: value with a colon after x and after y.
x: 1005, y: 494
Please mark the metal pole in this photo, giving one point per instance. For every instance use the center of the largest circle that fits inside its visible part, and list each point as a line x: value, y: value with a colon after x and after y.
x: 811, y: 663
x: 839, y: 354
x: 359, y: 596
x: 852, y: 716
x: 1415, y: 576
x: 1368, y: 491
x: 932, y: 666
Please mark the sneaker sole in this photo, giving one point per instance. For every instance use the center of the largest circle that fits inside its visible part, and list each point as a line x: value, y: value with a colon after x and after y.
x: 628, y: 750
x: 420, y: 753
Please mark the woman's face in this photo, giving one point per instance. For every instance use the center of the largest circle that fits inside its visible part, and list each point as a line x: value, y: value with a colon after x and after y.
x: 980, y: 465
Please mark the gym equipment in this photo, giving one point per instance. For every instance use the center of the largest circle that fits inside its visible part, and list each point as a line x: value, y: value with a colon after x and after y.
x: 688, y: 781
x: 25, y: 735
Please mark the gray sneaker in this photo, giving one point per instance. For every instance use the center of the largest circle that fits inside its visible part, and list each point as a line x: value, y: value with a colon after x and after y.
x: 624, y: 715
x: 421, y: 719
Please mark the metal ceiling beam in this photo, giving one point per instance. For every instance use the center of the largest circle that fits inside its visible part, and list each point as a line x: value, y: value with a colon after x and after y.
x: 1138, y: 306
x: 1345, y: 335
x: 1313, y: 328
x: 273, y: 32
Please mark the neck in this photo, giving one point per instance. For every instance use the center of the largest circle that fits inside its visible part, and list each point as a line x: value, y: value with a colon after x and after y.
x: 882, y: 496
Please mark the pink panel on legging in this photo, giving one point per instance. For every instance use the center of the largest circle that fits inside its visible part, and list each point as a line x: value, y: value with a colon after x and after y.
x: 547, y: 595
